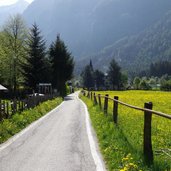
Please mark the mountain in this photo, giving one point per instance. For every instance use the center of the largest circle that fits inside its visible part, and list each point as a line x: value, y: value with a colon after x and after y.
x: 88, y: 26
x: 6, y: 11
x: 136, y: 53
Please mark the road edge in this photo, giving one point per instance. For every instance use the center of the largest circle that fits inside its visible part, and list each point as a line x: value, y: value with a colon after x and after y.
x: 94, y: 151
x: 31, y: 126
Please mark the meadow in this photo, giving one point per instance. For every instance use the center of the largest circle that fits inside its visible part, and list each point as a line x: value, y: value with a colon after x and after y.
x: 122, y: 144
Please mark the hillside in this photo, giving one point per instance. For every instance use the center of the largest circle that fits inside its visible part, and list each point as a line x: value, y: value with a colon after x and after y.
x: 136, y: 53
x: 6, y: 11
x: 88, y: 26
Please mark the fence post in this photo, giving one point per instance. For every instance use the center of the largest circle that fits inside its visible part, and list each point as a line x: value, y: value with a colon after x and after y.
x: 95, y: 99
x: 115, y: 110
x: 88, y: 94
x: 91, y: 95
x: 22, y: 105
x: 19, y: 105
x: 7, y: 110
x: 106, y: 104
x: 148, y: 151
x: 100, y: 103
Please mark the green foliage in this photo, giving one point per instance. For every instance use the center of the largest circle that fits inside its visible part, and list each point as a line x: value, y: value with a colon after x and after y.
x: 114, y: 75
x: 136, y: 82
x: 143, y: 85
x: 10, y: 127
x: 122, y: 144
x: 99, y: 78
x: 35, y: 68
x: 15, y: 33
x: 88, y: 77
x: 166, y: 85
x: 62, y: 65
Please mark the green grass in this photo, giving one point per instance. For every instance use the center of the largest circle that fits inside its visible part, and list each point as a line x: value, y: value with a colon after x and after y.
x: 122, y: 145
x: 9, y: 127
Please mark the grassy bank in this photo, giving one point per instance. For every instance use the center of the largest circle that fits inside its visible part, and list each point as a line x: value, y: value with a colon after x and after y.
x: 19, y: 121
x: 122, y: 145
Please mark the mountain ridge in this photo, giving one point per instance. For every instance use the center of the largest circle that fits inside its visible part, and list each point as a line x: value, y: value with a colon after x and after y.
x: 6, y: 11
x: 88, y: 26
x: 136, y: 53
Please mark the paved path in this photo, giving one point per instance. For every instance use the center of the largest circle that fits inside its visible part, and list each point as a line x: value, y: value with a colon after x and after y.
x: 61, y: 141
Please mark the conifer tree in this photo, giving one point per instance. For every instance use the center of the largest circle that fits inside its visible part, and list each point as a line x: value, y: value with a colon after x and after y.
x: 62, y: 65
x: 35, y: 67
x: 88, y: 77
x: 114, y: 74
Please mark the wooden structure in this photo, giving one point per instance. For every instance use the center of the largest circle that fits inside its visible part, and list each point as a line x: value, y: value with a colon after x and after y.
x: 45, y: 88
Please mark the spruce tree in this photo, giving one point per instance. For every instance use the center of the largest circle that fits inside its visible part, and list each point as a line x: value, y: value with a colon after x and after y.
x: 114, y: 74
x: 34, y: 69
x: 62, y: 65
x: 88, y: 77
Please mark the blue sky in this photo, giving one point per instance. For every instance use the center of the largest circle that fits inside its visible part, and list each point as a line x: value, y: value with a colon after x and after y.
x: 8, y: 2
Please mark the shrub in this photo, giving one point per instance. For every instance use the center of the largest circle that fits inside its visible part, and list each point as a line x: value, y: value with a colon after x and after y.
x: 166, y: 85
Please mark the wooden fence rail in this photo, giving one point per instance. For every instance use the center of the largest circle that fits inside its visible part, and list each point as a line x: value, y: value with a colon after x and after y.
x: 9, y: 108
x: 147, y: 141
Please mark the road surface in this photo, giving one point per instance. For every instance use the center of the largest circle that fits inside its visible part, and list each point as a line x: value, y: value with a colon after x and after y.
x: 60, y: 141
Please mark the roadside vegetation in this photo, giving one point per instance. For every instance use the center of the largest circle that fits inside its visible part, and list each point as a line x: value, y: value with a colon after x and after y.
x: 122, y: 144
x: 9, y: 127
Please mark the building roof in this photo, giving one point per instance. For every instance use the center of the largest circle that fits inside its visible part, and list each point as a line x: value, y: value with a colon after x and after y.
x: 2, y: 87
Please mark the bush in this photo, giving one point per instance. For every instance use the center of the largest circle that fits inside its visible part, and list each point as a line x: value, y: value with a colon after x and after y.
x: 166, y: 85
x: 144, y: 85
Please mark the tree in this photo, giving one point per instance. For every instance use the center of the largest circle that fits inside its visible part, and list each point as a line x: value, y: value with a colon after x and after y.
x: 4, y: 62
x: 144, y: 85
x: 136, y: 82
x: 87, y: 77
x: 114, y: 74
x: 99, y: 78
x: 91, y: 66
x: 62, y: 65
x: 15, y: 32
x: 35, y: 67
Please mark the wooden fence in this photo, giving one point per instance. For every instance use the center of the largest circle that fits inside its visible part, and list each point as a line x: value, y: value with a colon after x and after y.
x: 9, y: 108
x: 147, y: 141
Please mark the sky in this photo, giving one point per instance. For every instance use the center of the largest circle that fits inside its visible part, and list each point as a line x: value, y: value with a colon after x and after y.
x: 8, y: 2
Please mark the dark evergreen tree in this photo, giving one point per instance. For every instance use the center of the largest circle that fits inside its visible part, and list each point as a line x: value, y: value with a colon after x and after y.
x: 91, y: 66
x: 35, y: 68
x: 99, y: 78
x: 62, y: 65
x: 114, y: 75
x: 88, y: 78
x: 160, y: 68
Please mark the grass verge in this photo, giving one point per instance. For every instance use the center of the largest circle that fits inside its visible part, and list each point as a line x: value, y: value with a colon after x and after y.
x: 119, y: 152
x: 9, y: 127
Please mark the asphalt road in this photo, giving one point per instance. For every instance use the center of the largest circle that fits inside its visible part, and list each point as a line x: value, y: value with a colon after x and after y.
x: 61, y: 141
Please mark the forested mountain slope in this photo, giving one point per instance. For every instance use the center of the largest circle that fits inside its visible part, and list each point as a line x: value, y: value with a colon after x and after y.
x: 88, y: 26
x: 136, y: 53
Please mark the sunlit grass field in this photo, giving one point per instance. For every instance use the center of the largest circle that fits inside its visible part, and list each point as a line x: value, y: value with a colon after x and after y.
x: 130, y: 129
